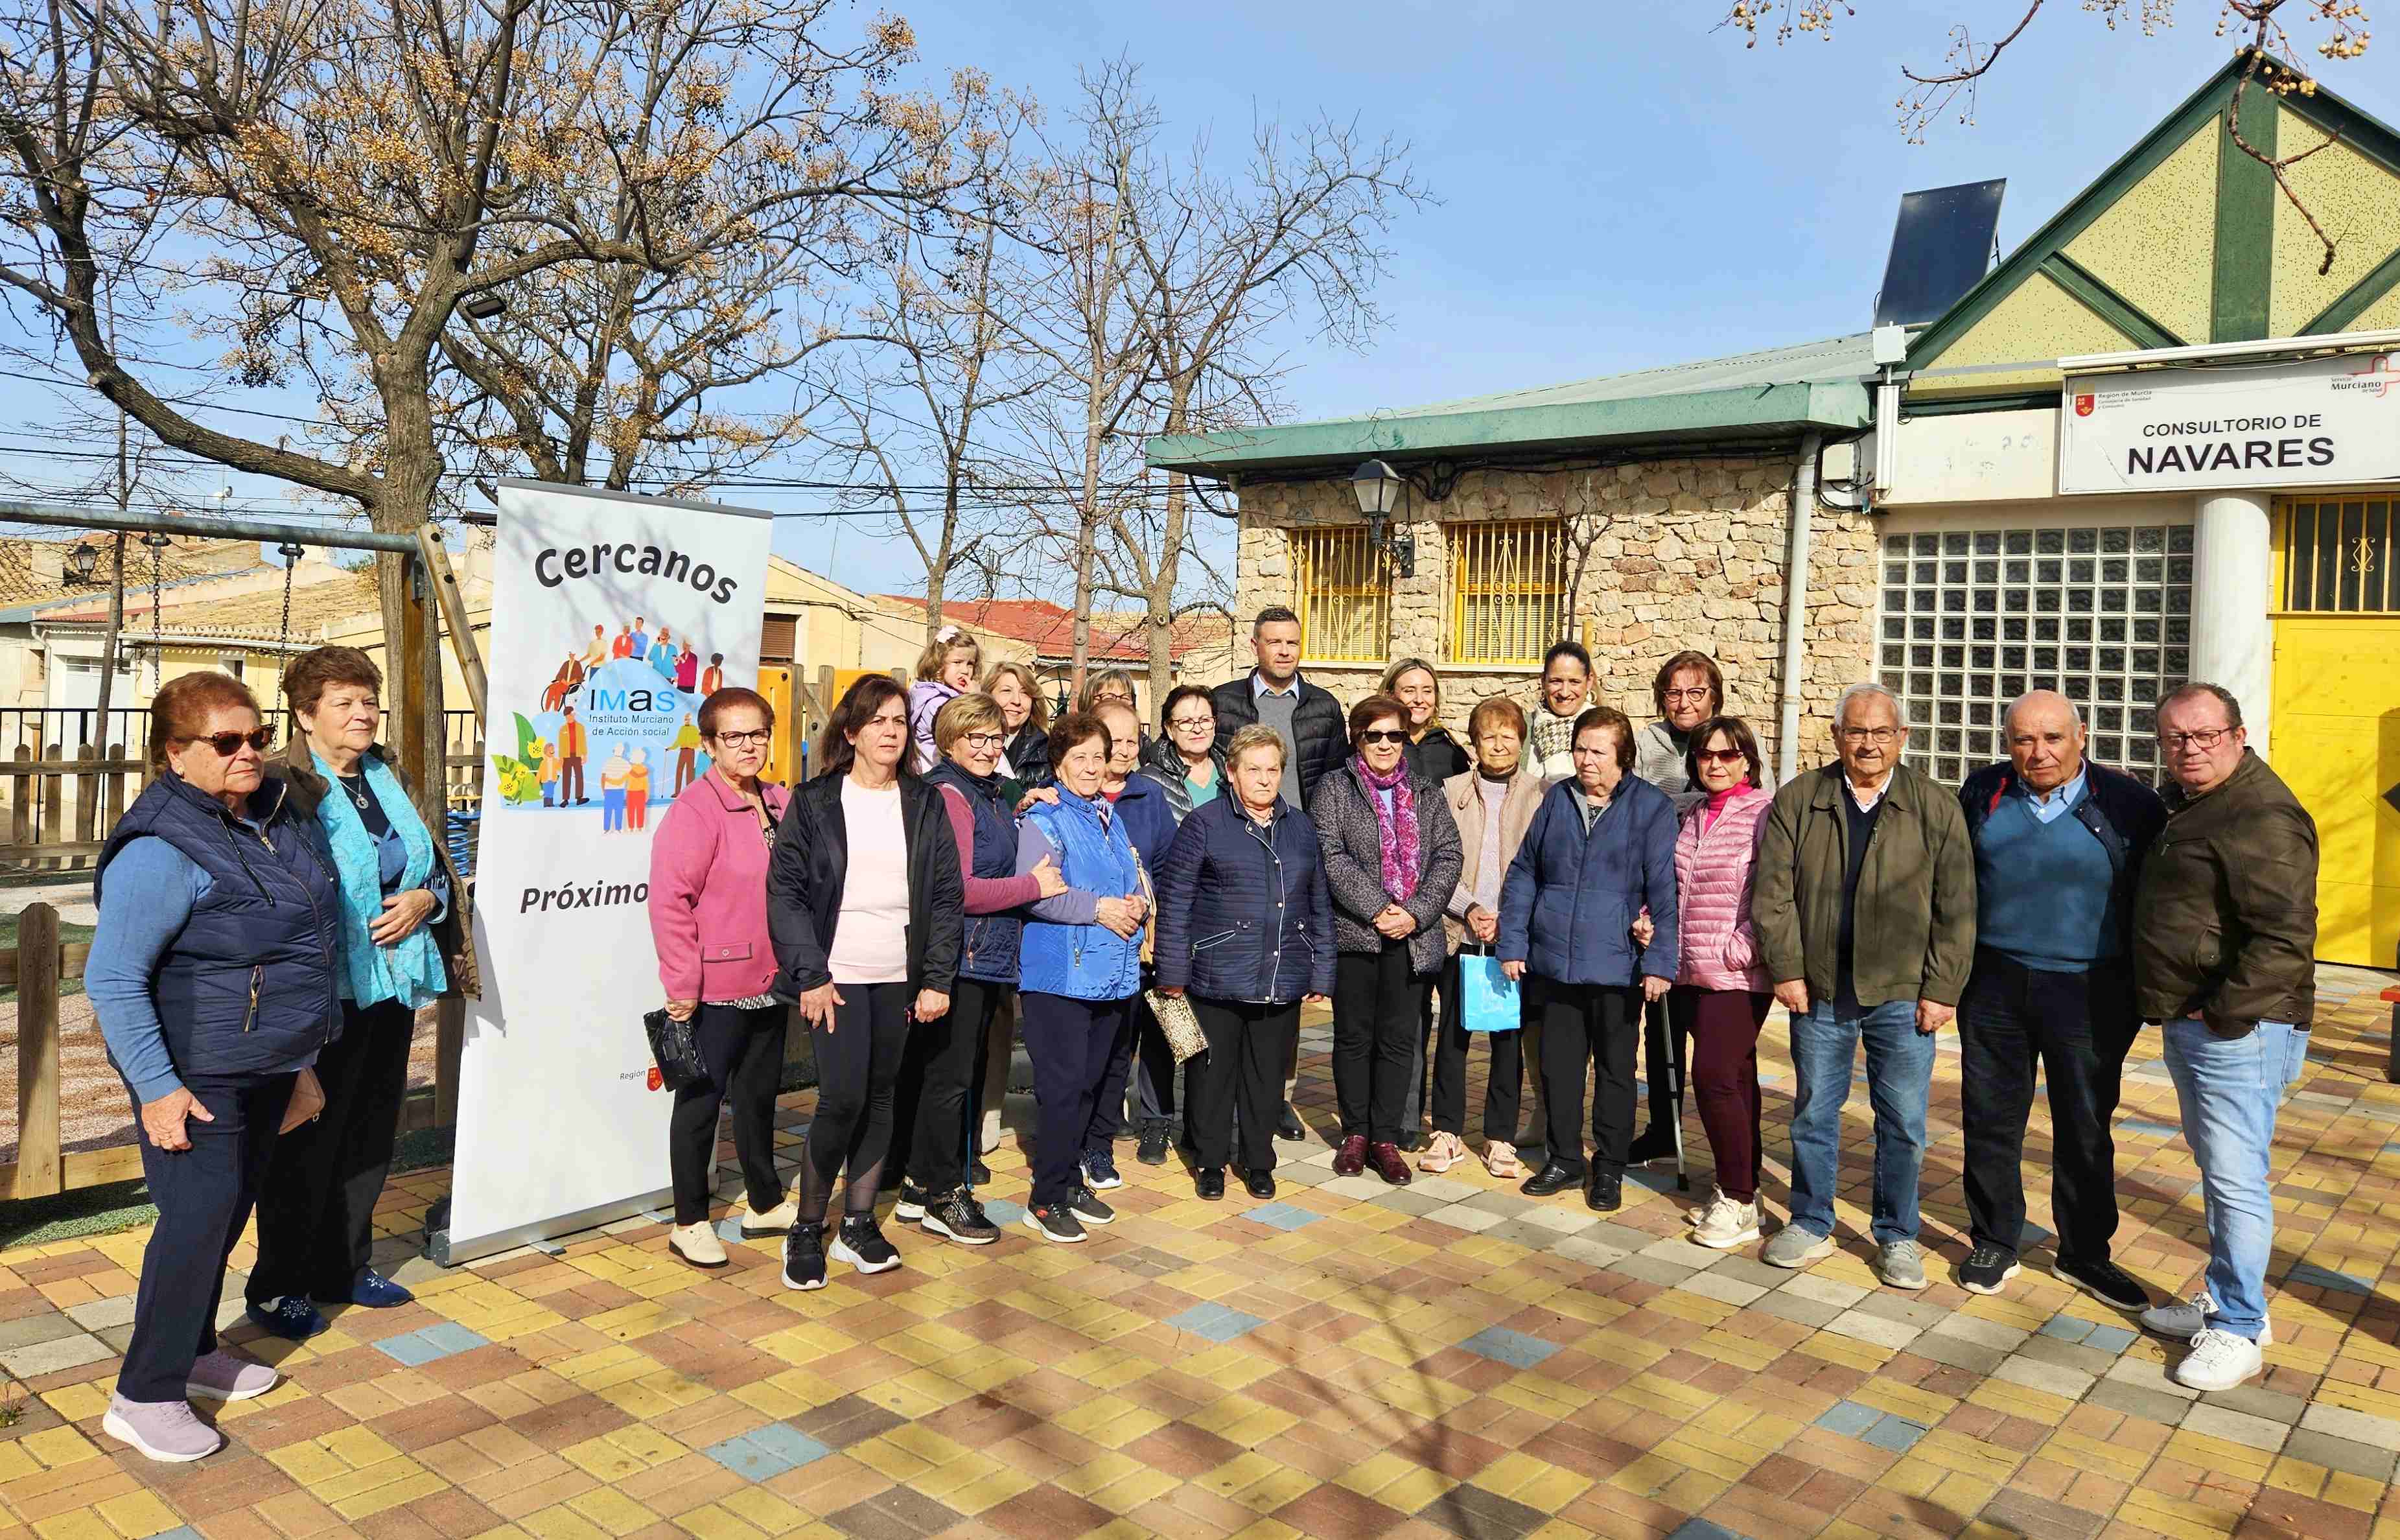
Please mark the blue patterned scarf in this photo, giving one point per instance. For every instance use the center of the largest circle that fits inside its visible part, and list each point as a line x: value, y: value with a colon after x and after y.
x: 411, y: 972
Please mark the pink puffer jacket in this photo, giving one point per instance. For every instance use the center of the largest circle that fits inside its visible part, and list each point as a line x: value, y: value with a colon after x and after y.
x: 1719, y: 948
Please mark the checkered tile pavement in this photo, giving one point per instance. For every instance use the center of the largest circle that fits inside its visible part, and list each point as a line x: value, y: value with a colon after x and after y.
x: 1447, y: 1358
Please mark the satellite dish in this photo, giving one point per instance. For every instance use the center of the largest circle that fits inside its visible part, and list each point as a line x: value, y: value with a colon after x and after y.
x: 1941, y: 247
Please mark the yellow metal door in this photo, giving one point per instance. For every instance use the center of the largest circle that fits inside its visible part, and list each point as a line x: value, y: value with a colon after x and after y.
x: 2337, y: 745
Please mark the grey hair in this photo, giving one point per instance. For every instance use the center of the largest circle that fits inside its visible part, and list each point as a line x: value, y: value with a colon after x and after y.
x: 2009, y: 715
x: 1863, y: 690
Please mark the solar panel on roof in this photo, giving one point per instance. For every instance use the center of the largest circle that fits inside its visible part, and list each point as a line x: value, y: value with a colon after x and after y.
x: 1941, y: 248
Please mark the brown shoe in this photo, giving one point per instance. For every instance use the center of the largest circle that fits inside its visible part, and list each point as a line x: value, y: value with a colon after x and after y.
x: 1351, y: 1158
x: 1389, y: 1162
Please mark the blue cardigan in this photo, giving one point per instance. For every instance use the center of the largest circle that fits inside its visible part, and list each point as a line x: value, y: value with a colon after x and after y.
x: 1568, y: 904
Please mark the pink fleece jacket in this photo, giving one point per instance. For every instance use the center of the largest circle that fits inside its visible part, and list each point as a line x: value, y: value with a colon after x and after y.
x: 708, y: 894
x: 1714, y: 866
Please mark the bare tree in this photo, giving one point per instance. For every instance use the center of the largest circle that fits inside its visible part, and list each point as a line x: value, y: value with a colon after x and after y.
x: 2340, y: 29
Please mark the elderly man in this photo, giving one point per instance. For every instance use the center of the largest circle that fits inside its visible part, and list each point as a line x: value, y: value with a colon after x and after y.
x: 1688, y: 690
x: 1864, y: 900
x: 2059, y: 844
x: 2224, y: 928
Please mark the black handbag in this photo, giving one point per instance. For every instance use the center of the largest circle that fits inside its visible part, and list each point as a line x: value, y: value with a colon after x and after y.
x: 674, y: 1050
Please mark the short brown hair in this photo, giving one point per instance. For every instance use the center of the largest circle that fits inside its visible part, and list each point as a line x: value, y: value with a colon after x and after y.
x: 314, y: 672
x: 1090, y: 696
x: 1498, y: 708
x: 181, y: 707
x: 1743, y: 739
x: 713, y: 710
x: 961, y: 715
x: 1374, y: 709
x: 1616, y: 722
x: 1677, y: 664
x: 1257, y: 735
x: 1073, y: 731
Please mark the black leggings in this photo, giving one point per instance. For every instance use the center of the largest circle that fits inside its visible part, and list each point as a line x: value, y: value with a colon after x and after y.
x: 858, y: 1059
x: 1500, y: 1093
x: 1378, y: 1001
x: 929, y: 1108
x: 744, y: 1053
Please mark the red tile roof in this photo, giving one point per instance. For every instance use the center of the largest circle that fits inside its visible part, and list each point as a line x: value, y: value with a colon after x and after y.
x: 1049, y: 629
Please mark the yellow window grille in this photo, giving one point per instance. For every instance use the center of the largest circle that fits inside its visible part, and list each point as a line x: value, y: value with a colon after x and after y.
x: 1507, y: 591
x: 1343, y: 595
x: 2338, y: 556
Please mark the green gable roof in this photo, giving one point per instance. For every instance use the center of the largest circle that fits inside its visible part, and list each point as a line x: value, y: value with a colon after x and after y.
x: 1781, y: 392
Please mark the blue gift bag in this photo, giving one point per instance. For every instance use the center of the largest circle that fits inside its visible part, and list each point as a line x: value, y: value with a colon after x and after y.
x: 1488, y: 998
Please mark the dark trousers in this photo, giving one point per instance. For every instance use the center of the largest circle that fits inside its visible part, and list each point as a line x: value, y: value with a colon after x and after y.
x: 1377, y: 1002
x: 1000, y: 1034
x: 1722, y: 1027
x: 929, y: 1108
x: 857, y: 1062
x: 570, y: 779
x: 1243, y: 1068
x: 744, y: 1054
x: 1422, y: 1050
x: 1658, y: 1065
x: 1508, y: 1076
x: 1588, y: 1024
x: 316, y: 1208
x: 1076, y: 1073
x: 2079, y: 1028
x: 204, y: 1196
x: 1153, y: 1070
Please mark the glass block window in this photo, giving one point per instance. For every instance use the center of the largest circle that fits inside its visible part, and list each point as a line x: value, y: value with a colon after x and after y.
x: 1341, y: 591
x: 1507, y: 591
x: 1971, y: 618
x: 2339, y: 556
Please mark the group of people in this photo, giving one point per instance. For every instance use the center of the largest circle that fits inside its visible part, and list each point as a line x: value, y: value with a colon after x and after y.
x: 960, y: 868
x: 677, y: 664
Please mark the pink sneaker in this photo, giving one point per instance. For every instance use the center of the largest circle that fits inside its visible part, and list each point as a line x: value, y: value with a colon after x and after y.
x: 164, y: 1430
x: 227, y: 1376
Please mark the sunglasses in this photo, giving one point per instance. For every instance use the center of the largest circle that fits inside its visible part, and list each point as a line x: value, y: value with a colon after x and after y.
x: 1718, y: 757
x: 1384, y: 735
x: 227, y: 745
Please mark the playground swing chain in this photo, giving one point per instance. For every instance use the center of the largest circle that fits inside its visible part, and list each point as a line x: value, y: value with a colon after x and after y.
x: 291, y: 550
x: 157, y: 541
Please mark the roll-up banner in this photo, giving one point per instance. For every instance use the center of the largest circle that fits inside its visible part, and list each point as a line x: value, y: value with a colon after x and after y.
x: 612, y: 617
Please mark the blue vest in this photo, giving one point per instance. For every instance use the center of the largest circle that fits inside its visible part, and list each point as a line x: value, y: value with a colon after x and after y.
x: 248, y: 986
x: 1083, y: 962
x: 991, y: 939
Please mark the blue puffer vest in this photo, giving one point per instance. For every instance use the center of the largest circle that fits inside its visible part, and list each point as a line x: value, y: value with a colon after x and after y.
x: 991, y: 939
x: 1083, y: 962
x: 248, y: 987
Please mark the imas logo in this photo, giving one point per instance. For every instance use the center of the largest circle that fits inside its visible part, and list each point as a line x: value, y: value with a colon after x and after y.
x: 2377, y: 373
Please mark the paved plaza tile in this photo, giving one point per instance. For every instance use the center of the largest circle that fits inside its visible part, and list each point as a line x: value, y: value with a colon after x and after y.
x: 1447, y: 1359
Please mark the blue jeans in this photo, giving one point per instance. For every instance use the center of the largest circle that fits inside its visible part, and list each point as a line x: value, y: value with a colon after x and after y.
x: 1900, y: 1074
x: 2230, y: 1089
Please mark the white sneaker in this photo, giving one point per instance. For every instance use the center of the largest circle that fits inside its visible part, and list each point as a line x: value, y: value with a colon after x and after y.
x: 1727, y: 1224
x: 697, y: 1244
x: 1699, y: 1211
x: 2220, y: 1360
x: 2189, y: 1318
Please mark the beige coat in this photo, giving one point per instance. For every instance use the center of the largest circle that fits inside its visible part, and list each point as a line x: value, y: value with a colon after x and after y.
x: 1517, y: 811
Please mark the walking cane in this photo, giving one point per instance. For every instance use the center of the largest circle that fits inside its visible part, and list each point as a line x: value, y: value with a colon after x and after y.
x: 1676, y: 1086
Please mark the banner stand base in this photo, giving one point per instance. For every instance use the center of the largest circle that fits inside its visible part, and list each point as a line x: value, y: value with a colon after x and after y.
x: 443, y: 1249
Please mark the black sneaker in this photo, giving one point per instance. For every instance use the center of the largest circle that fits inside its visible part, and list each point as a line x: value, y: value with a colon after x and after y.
x: 804, y: 1256
x: 958, y: 1216
x: 1209, y: 1183
x: 1086, y: 1206
x: 1290, y: 1128
x: 1053, y: 1221
x: 1154, y: 1145
x: 1100, y: 1170
x: 912, y: 1202
x: 861, y: 1244
x: 1653, y: 1143
x: 2106, y: 1282
x: 1986, y: 1268
x: 1258, y: 1183
x: 978, y: 1174
x: 1604, y: 1191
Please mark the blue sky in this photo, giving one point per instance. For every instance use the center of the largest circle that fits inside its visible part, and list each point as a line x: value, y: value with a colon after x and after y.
x: 1620, y: 185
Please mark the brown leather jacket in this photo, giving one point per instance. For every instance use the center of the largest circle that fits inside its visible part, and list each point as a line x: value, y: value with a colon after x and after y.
x: 2225, y: 923
x: 455, y: 932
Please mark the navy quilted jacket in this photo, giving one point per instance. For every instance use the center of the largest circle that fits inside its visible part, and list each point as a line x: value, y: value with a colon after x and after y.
x: 1242, y: 912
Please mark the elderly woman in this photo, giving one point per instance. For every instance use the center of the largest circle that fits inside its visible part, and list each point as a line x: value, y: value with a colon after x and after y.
x: 716, y: 963
x: 1494, y: 804
x: 215, y: 974
x: 1601, y: 850
x: 931, y: 1117
x: 1392, y: 861
x: 1079, y: 974
x: 404, y: 941
x: 1244, y: 927
x: 865, y: 904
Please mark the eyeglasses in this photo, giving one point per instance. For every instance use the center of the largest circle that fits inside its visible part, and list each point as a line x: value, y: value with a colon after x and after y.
x: 983, y: 740
x: 1700, y: 694
x: 1718, y: 757
x: 1193, y: 724
x: 1870, y: 735
x: 227, y: 745
x: 1383, y: 735
x: 758, y: 740
x: 2205, y: 738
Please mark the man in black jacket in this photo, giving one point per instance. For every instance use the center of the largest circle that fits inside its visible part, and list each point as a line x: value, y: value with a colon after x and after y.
x: 1316, y: 740
x: 2059, y: 845
x: 1309, y: 720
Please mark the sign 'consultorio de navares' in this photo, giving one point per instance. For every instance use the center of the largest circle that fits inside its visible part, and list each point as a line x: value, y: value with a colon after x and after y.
x: 2316, y: 422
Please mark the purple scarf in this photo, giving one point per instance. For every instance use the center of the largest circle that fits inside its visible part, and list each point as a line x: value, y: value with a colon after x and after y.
x: 1396, y: 830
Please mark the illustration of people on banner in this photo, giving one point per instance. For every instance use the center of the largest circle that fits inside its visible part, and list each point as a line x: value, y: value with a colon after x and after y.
x: 627, y: 712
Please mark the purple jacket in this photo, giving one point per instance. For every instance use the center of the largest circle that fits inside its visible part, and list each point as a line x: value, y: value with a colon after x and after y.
x: 708, y: 894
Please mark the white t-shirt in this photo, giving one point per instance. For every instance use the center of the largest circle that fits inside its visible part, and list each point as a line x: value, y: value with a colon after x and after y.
x: 870, y: 938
